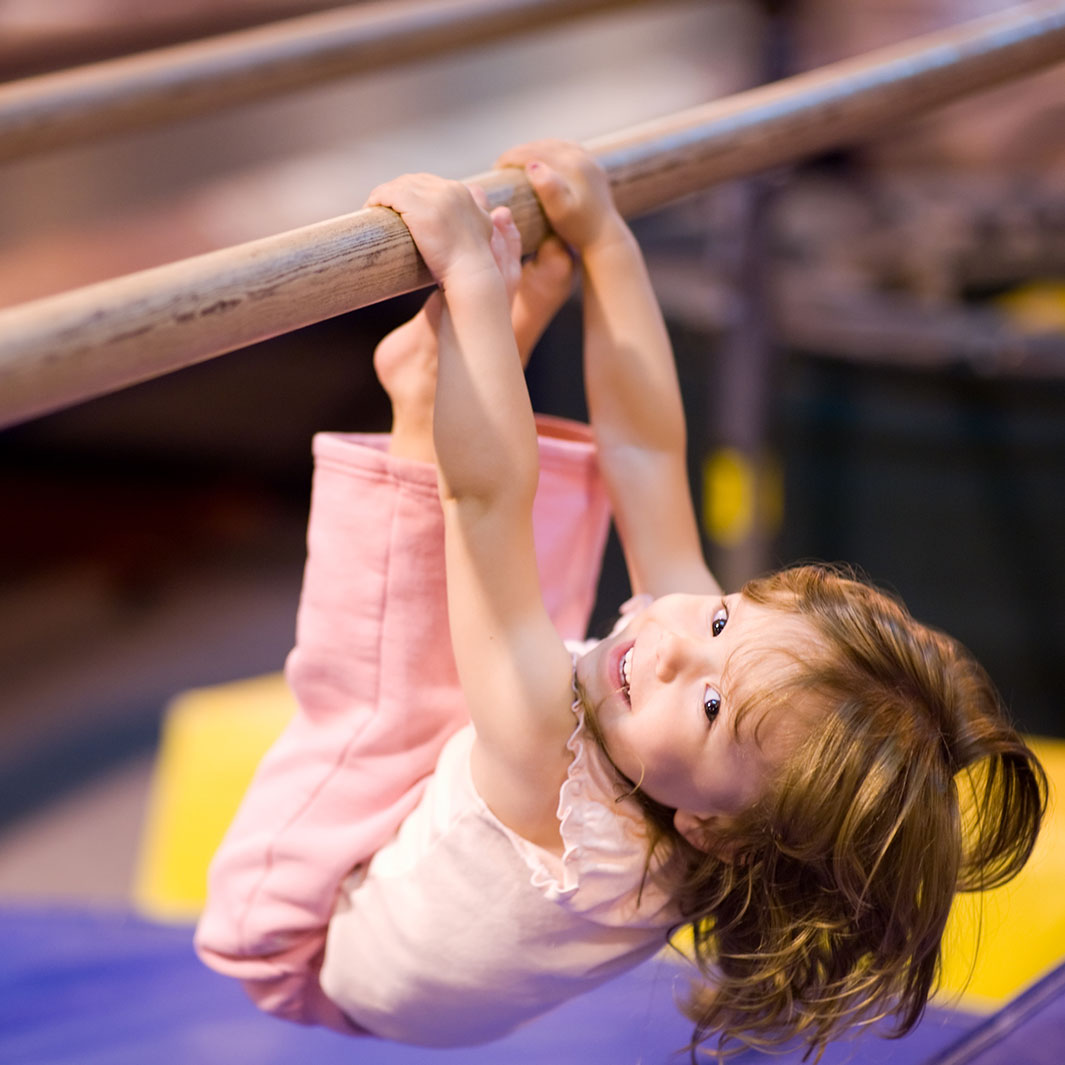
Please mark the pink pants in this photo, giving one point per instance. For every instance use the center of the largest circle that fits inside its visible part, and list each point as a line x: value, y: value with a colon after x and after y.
x: 374, y: 678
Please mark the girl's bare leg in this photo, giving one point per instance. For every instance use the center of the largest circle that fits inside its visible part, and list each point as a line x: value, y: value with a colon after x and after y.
x: 405, y: 360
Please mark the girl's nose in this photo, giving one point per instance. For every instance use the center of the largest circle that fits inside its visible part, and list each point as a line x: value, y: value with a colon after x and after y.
x: 673, y: 654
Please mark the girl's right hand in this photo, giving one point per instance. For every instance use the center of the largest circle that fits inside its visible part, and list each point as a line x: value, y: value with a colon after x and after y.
x: 452, y: 230
x: 572, y: 188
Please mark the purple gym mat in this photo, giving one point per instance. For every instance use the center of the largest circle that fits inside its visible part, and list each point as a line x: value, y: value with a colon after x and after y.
x: 1029, y: 1030
x: 92, y: 988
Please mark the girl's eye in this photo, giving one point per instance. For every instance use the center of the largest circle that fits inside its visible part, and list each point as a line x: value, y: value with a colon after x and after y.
x: 711, y: 704
x: 719, y: 621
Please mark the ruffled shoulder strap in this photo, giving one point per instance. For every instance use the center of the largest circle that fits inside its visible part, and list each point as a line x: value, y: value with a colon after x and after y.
x: 601, y: 873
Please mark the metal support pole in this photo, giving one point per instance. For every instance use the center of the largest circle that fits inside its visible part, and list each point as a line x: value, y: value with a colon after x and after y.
x: 742, y: 494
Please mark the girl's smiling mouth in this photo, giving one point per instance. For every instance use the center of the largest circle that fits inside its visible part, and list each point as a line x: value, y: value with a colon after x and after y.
x: 625, y: 673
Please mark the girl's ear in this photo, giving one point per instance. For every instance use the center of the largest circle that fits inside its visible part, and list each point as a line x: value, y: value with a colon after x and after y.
x: 705, y: 834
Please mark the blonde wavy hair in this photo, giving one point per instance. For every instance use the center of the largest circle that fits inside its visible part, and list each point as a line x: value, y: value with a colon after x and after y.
x: 828, y: 912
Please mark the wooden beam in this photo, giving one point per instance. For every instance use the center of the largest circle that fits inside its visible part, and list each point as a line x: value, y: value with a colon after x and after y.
x: 845, y: 102
x: 67, y: 348
x: 134, y: 92
x: 61, y: 34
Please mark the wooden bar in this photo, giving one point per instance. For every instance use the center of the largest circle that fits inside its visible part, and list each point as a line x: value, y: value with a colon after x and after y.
x: 61, y: 34
x: 842, y: 103
x: 67, y: 348
x: 82, y: 104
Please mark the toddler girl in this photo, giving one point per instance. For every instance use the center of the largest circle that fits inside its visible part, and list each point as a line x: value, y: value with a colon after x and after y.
x: 469, y: 821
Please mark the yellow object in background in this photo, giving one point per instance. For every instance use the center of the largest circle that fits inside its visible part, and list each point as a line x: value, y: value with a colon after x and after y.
x: 728, y: 497
x: 1037, y: 307
x: 212, y: 740
x: 741, y: 496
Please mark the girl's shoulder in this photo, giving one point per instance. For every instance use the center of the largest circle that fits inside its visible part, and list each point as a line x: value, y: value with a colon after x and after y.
x: 602, y: 871
x: 599, y: 874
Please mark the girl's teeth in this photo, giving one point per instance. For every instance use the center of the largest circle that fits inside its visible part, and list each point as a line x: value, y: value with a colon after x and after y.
x: 626, y: 668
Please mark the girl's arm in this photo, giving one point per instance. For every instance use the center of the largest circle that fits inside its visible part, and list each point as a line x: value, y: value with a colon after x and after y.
x: 634, y: 398
x: 514, y: 670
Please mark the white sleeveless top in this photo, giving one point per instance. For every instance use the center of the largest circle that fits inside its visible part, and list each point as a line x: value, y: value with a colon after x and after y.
x: 459, y: 930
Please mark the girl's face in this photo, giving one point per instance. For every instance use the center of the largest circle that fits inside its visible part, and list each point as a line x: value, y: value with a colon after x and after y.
x: 664, y: 691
